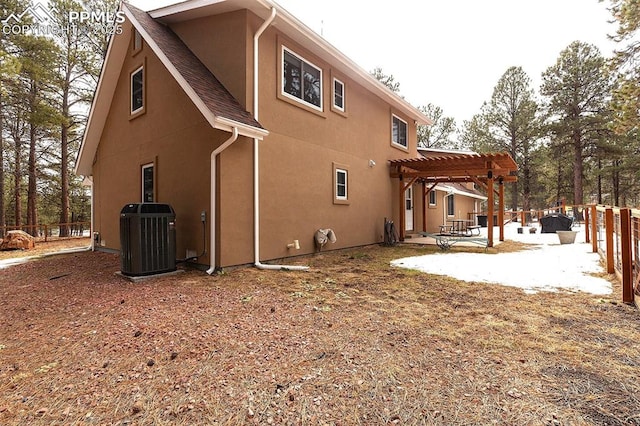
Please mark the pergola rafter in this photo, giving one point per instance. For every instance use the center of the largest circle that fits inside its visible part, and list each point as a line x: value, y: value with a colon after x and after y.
x: 483, y: 169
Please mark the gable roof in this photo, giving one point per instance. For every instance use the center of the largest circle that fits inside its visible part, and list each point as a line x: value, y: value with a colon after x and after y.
x: 295, y: 29
x: 212, y: 99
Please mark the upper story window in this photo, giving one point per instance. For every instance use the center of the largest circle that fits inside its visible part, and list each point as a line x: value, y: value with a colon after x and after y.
x: 338, y: 94
x: 137, y: 91
x: 301, y: 79
x: 399, y: 132
x: 136, y: 42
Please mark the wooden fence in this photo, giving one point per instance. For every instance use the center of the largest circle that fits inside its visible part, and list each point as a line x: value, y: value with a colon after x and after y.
x: 613, y: 232
x: 52, y: 232
x: 618, y: 243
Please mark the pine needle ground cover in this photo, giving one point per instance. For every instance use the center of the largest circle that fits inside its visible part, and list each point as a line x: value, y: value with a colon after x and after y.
x: 353, y: 341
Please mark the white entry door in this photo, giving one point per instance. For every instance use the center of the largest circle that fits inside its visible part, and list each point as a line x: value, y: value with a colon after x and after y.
x: 408, y: 207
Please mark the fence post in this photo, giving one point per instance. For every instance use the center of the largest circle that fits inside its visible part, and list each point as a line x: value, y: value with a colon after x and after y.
x: 625, y: 247
x: 608, y: 232
x: 594, y: 228
x: 587, y: 236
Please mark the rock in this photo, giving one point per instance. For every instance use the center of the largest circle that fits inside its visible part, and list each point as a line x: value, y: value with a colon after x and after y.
x: 17, y: 240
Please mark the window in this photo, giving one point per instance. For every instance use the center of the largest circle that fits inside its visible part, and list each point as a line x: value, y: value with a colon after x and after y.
x: 451, y: 211
x: 432, y: 198
x: 341, y: 184
x: 137, y: 41
x: 301, y: 80
x: 338, y: 94
x: 137, y: 91
x: 147, y: 183
x: 399, y: 132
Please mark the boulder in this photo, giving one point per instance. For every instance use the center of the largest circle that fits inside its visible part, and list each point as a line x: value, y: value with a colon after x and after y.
x: 17, y: 240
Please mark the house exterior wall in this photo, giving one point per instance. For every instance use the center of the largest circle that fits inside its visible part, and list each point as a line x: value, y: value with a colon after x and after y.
x: 175, y: 137
x: 297, y: 160
x: 437, y: 215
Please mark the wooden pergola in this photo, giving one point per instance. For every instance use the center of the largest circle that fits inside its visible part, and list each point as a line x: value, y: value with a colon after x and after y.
x: 486, y: 170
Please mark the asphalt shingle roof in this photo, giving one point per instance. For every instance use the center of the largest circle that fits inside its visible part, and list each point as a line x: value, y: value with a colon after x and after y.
x: 206, y: 86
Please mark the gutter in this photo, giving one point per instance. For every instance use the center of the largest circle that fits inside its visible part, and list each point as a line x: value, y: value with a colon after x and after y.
x: 256, y: 159
x: 213, y: 187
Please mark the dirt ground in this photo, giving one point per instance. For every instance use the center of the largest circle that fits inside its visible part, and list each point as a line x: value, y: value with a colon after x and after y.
x: 353, y: 341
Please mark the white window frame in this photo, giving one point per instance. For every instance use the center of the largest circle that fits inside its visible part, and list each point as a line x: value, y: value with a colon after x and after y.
x: 153, y: 183
x: 451, y: 203
x: 393, y: 133
x: 293, y: 97
x: 344, y: 172
x: 131, y: 76
x: 342, y: 96
x: 433, y: 196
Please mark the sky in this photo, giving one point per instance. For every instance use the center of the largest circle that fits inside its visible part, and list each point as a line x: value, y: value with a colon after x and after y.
x: 451, y: 53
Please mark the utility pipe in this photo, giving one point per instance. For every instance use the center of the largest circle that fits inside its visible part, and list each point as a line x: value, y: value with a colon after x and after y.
x: 256, y: 159
x: 213, y: 187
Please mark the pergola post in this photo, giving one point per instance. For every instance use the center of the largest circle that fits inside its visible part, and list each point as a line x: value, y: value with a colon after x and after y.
x: 490, y: 201
x: 401, y: 212
x: 425, y: 203
x: 501, y: 208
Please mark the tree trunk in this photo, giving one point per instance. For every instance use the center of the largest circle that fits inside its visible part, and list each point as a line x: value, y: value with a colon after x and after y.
x: 599, y: 180
x: 17, y: 177
x: 3, y: 217
x: 31, y: 188
x: 64, y: 165
x: 578, y: 191
x: 616, y: 183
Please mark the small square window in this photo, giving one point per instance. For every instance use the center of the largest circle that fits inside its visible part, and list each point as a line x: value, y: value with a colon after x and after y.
x: 137, y: 90
x: 338, y: 94
x: 399, y: 132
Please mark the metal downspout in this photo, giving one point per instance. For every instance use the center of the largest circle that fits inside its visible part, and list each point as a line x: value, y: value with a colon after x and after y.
x: 256, y: 158
x: 213, y: 187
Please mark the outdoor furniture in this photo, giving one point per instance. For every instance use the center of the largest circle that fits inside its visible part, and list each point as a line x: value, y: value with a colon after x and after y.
x: 555, y: 222
x: 446, y: 241
x: 473, y: 230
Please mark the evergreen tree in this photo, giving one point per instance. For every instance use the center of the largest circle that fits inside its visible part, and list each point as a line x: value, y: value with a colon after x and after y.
x: 437, y: 135
x: 577, y: 89
x: 509, y: 122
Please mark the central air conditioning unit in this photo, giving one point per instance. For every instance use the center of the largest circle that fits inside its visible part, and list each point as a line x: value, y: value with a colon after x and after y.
x: 147, y: 239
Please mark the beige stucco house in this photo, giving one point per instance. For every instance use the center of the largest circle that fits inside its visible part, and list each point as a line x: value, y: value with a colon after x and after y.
x: 252, y: 127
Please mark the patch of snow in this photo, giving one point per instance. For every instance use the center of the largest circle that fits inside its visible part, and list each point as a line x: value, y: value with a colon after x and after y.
x: 547, y: 266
